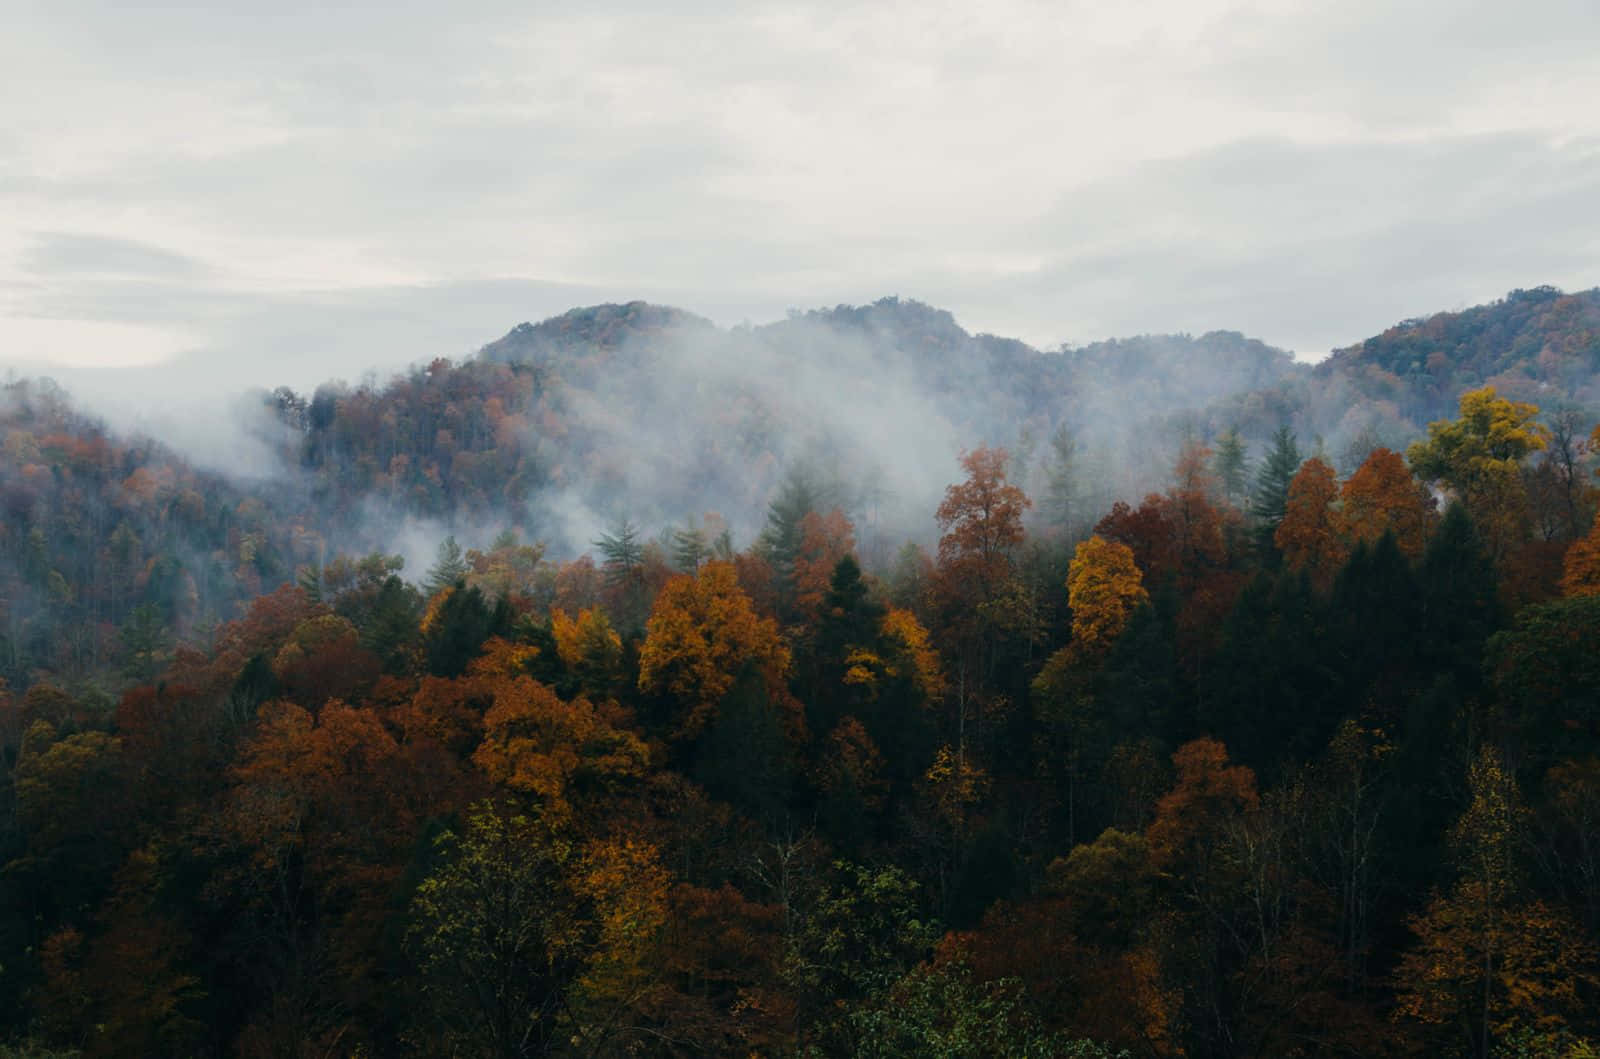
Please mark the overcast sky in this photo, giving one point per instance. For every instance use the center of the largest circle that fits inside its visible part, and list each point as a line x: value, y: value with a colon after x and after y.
x: 254, y: 193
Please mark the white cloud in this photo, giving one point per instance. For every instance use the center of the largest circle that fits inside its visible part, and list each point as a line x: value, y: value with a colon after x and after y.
x: 1295, y: 168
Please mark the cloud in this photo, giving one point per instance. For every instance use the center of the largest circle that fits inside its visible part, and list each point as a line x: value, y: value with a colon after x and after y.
x: 391, y: 176
x: 71, y: 253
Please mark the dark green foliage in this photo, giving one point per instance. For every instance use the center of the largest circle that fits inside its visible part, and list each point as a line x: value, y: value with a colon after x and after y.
x: 742, y: 758
x: 804, y: 490
x: 862, y: 932
x: 1272, y: 693
x: 622, y: 552
x: 459, y: 627
x: 1233, y: 467
x: 1459, y: 607
x: 1272, y: 480
x: 1373, y: 617
x: 1545, y: 671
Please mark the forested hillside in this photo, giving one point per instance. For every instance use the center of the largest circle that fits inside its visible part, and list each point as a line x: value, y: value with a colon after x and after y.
x: 850, y: 685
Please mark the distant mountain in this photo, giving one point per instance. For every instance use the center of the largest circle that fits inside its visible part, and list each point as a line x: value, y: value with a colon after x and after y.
x: 583, y: 341
x: 1538, y: 345
x: 650, y: 412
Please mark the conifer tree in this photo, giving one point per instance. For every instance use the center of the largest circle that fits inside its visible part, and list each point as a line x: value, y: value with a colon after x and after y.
x: 449, y: 566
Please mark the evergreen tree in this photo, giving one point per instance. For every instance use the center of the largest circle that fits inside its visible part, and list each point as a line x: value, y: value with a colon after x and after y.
x: 689, y: 548
x: 459, y: 628
x: 1272, y: 482
x: 1061, y: 487
x: 1460, y: 609
x: 1271, y: 497
x: 1233, y: 469
x: 449, y: 566
x: 802, y: 491
x: 622, y: 553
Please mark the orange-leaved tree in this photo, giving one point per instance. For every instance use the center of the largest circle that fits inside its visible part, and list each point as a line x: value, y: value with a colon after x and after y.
x: 702, y: 632
x: 1580, y: 575
x: 1311, y: 534
x: 1382, y: 497
x: 539, y: 745
x: 1104, y: 588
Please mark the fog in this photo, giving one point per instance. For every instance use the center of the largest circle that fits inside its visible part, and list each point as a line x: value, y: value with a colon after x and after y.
x: 663, y: 417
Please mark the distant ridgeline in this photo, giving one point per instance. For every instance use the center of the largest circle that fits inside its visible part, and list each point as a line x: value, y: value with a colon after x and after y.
x: 649, y: 412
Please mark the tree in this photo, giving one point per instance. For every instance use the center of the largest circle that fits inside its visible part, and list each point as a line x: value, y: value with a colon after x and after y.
x: 701, y: 634
x: 1062, y: 488
x: 1478, y: 456
x: 1310, y: 536
x: 1104, y: 588
x: 940, y: 1010
x: 145, y: 639
x: 802, y: 491
x: 1546, y: 675
x: 323, y: 659
x: 536, y: 744
x: 1272, y: 481
x: 851, y: 943
x: 689, y: 548
x: 982, y: 603
x: 1489, y: 959
x: 497, y: 934
x: 981, y: 517
x: 624, y: 571
x: 449, y: 566
x: 825, y: 540
x: 623, y: 552
x: 1233, y: 468
x: 1580, y: 568
x: 1382, y: 497
x: 457, y: 624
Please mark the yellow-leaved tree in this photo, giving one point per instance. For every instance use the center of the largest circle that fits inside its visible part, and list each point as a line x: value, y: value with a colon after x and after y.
x: 1489, y: 959
x: 1104, y: 588
x: 701, y: 634
x: 1478, y: 457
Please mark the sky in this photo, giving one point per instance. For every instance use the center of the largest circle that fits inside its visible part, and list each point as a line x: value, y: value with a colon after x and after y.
x: 218, y: 195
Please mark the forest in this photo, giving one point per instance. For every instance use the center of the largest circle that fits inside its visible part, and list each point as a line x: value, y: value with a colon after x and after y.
x: 891, y: 692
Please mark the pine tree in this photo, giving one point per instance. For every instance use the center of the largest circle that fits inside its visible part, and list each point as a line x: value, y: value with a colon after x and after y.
x: 623, y: 553
x: 1272, y: 483
x: 689, y: 548
x: 1233, y: 467
x: 449, y: 566
x: 1061, y: 487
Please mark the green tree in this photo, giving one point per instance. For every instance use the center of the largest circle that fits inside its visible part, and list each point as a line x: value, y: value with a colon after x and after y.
x: 1061, y: 486
x: 497, y: 934
x: 1233, y: 466
x: 457, y: 626
x: 1272, y: 481
x: 942, y: 1011
x: 449, y: 566
x: 689, y: 548
x: 145, y: 641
